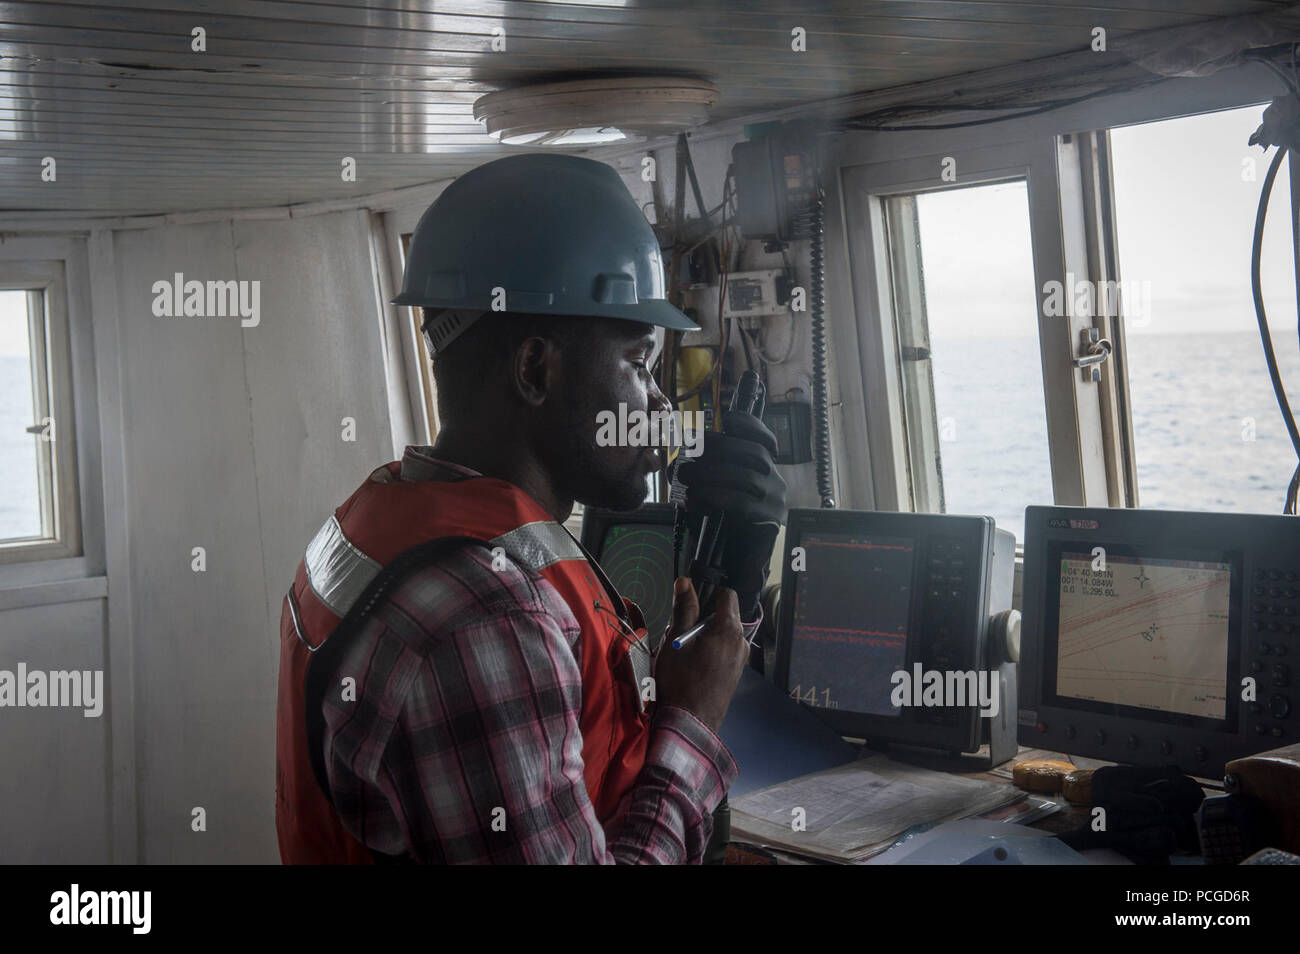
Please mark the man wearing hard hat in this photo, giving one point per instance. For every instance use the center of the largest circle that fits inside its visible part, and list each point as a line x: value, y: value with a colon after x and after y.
x: 458, y: 681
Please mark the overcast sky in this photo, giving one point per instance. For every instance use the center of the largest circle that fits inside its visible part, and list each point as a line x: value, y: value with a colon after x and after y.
x: 1185, y: 221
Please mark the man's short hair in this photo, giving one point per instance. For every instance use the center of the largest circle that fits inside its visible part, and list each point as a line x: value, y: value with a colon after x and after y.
x: 479, y: 357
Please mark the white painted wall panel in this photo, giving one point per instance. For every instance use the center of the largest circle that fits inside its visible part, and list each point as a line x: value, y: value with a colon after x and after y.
x: 234, y: 443
x: 314, y: 360
x: 54, y: 785
x: 199, y: 638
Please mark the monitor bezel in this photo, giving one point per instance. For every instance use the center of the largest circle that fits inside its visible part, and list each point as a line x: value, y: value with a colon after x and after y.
x: 963, y: 735
x: 1253, y: 540
x: 596, y: 522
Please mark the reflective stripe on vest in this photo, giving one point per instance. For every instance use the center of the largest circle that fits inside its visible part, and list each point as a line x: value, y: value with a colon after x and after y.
x: 339, y: 572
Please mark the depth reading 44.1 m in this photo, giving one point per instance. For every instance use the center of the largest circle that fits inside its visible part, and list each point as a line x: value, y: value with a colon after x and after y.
x: 811, y: 697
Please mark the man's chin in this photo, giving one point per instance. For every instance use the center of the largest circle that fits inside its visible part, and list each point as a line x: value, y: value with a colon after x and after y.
x: 626, y: 496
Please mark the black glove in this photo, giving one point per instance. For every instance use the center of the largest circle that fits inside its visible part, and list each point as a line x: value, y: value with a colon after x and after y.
x: 735, y: 476
x: 1150, y: 813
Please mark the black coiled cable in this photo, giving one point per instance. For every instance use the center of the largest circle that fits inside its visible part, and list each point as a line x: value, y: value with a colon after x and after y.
x: 821, y: 411
x: 1257, y: 294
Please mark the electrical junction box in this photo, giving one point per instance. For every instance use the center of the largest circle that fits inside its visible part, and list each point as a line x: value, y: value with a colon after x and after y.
x: 756, y: 294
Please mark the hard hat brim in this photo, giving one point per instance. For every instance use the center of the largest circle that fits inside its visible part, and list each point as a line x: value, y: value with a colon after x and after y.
x: 658, y: 312
x: 652, y: 311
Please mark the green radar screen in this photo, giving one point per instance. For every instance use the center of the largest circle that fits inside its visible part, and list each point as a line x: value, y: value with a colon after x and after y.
x: 638, y: 559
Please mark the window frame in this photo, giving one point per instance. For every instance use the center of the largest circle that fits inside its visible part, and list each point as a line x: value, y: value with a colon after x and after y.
x: 411, y: 372
x: 52, y: 371
x: 1065, y: 158
x: 865, y: 188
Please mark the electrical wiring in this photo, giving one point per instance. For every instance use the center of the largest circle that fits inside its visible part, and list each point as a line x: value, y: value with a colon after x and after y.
x: 1257, y: 294
x: 789, y: 348
x: 1265, y: 57
x: 1288, y: 79
x: 712, y: 380
x: 866, y: 120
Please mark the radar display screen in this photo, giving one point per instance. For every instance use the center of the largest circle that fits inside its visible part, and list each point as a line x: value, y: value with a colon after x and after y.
x: 638, y: 559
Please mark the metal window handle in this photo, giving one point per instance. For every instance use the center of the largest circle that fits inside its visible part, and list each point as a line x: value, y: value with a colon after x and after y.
x: 36, y: 429
x: 1096, y: 349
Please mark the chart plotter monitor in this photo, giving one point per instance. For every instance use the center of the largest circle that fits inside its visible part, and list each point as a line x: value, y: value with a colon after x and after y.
x: 1158, y: 637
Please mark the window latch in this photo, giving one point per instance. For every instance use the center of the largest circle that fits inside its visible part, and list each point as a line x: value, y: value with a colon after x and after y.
x: 1094, y: 349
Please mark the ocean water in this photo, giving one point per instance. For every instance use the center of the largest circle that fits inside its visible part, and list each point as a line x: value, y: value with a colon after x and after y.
x: 1207, y: 429
x: 19, y: 499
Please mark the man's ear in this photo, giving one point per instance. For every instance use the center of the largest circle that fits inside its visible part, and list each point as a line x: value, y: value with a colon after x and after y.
x: 536, y: 370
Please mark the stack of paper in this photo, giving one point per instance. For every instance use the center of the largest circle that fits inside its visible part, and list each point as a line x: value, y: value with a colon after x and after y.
x: 854, y: 811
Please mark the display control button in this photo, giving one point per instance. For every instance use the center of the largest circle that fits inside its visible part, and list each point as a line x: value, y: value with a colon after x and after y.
x: 1279, y: 707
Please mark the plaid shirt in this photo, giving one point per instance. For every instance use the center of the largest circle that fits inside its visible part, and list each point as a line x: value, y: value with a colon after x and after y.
x: 463, y: 743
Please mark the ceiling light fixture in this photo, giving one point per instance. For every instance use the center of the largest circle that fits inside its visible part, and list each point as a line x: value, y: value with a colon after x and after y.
x: 595, y: 112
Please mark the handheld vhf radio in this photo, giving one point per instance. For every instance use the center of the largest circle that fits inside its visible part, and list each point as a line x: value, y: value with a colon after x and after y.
x: 707, y: 575
x: 707, y: 572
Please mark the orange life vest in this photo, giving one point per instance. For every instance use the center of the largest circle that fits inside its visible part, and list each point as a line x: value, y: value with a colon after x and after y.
x: 343, y: 575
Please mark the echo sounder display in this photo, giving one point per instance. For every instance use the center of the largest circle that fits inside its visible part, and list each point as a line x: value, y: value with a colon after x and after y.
x: 1144, y: 632
x: 852, y: 606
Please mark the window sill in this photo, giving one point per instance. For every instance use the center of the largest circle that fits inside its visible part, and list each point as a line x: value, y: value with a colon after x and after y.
x: 57, y: 591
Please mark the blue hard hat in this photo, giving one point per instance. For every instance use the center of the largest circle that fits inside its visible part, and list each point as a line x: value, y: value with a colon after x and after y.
x: 541, y: 234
